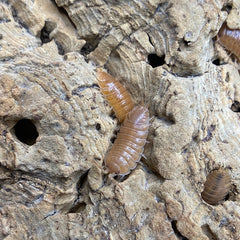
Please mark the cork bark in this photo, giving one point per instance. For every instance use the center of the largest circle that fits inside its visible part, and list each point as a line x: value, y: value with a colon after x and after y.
x: 166, y: 53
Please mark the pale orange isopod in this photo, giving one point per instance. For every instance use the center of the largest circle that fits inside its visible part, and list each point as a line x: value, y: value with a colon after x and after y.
x: 115, y: 93
x: 129, y: 144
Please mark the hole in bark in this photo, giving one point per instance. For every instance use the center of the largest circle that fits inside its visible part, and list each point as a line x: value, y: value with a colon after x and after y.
x: 82, y: 180
x: 155, y: 61
x: 79, y: 205
x: 112, y: 115
x: 227, y: 197
x: 235, y: 106
x: 98, y: 126
x: 112, y: 139
x: 45, y: 35
x: 216, y: 62
x: 47, y: 29
x: 208, y: 232
x: 90, y: 45
x: 186, y: 43
x: 26, y: 132
x: 227, y: 8
x: 177, y: 233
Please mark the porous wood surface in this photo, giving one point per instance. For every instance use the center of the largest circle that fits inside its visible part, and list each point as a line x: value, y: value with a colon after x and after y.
x: 165, y: 53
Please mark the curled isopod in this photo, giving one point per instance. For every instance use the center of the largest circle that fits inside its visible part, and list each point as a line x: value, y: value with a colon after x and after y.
x: 115, y: 93
x: 129, y: 144
x: 230, y: 39
x: 217, y: 186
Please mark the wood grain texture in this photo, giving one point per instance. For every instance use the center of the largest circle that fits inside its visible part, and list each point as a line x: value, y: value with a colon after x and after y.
x: 56, y: 182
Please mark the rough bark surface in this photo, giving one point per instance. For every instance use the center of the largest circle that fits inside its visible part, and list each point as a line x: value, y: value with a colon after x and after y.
x: 165, y: 52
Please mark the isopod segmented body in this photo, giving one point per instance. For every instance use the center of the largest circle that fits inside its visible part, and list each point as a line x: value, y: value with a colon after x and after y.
x: 115, y: 93
x: 129, y: 144
x: 230, y: 39
x: 216, y: 187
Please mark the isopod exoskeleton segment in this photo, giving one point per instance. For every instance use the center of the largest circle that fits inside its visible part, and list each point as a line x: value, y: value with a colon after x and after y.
x: 129, y: 144
x: 115, y: 93
x: 217, y: 186
x: 230, y: 39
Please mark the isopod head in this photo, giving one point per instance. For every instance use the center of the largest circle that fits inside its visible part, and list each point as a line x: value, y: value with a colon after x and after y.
x: 217, y: 186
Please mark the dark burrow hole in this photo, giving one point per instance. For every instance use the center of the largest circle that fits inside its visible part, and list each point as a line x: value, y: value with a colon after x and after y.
x: 98, y: 126
x: 227, y: 8
x: 79, y: 205
x: 169, y: 120
x: 112, y: 115
x: 177, y: 233
x: 90, y: 45
x: 82, y: 180
x: 120, y: 178
x: 226, y: 197
x: 26, y: 131
x: 235, y: 106
x: 186, y: 43
x: 155, y: 61
x: 112, y: 139
x: 44, y: 35
x: 46, y: 30
x: 216, y: 62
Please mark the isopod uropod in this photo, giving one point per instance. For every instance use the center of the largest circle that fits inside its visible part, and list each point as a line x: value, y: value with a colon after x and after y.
x: 217, y: 186
x: 129, y: 144
x: 115, y: 93
x: 230, y: 39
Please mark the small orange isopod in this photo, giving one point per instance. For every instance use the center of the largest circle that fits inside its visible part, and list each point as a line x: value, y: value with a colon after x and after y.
x: 115, y: 93
x: 129, y: 144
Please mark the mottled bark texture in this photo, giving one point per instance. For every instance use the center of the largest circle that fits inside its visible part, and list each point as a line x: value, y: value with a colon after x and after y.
x: 56, y: 127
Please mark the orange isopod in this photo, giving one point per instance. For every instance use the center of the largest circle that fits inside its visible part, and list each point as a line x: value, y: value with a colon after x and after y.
x: 216, y: 187
x: 230, y: 39
x: 115, y: 93
x: 129, y: 144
